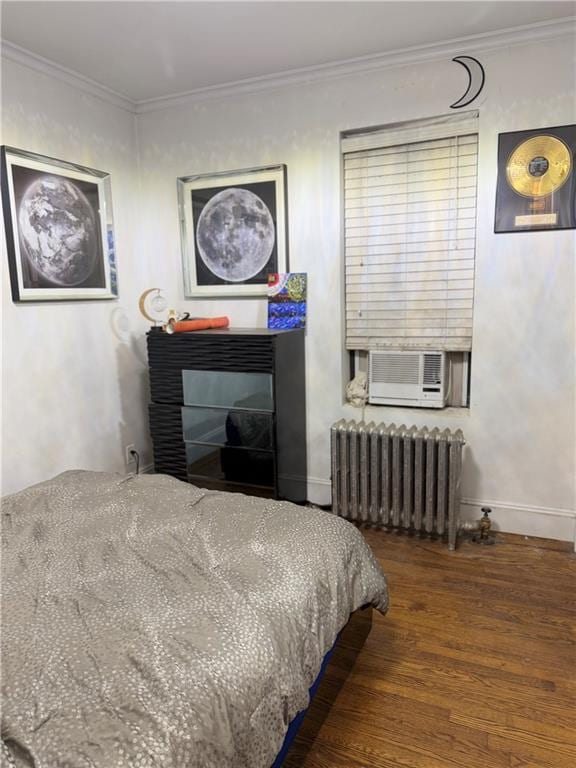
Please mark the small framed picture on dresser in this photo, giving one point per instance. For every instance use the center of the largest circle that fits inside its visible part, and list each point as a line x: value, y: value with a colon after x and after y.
x: 59, y: 229
x: 233, y: 231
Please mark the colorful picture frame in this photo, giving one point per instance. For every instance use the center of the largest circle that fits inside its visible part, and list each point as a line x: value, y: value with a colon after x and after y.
x: 287, y: 300
x: 59, y: 229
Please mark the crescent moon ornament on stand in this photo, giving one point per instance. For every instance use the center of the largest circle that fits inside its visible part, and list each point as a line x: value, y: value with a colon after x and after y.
x: 154, y: 308
x: 476, y: 79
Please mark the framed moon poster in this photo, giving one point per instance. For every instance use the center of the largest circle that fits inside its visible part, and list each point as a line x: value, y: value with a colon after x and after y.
x: 59, y: 229
x: 233, y: 230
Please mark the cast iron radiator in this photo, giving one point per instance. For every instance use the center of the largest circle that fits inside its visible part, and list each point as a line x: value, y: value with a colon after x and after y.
x: 397, y: 477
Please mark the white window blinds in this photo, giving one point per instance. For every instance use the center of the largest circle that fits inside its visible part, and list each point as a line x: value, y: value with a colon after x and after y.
x: 410, y: 232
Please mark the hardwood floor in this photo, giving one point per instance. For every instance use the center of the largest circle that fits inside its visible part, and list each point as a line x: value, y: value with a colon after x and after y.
x: 473, y: 667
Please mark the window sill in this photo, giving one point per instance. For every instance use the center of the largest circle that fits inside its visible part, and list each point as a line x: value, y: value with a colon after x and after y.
x: 404, y: 413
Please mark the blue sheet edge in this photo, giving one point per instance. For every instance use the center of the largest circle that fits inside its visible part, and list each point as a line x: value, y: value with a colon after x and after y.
x: 297, y: 721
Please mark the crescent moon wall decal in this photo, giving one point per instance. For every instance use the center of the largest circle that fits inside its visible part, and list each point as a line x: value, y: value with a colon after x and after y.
x: 476, y: 79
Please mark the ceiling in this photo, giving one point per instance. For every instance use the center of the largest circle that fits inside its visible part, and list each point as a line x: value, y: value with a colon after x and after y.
x: 148, y: 50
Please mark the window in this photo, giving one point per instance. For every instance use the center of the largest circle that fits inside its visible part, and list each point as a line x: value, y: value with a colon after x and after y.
x: 409, y: 237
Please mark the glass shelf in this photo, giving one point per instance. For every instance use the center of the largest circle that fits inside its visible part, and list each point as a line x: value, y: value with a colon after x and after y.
x: 228, y: 428
x: 231, y: 465
x: 225, y: 389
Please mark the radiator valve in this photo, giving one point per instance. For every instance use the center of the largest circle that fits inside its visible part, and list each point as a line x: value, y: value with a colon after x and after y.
x: 484, y: 525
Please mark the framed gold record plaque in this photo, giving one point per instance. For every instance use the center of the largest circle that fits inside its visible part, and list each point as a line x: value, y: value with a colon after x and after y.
x: 536, y: 180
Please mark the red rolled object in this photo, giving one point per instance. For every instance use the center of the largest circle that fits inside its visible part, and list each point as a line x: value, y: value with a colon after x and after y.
x: 201, y: 324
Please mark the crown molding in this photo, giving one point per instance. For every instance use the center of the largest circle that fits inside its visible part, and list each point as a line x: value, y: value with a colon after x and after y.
x: 488, y: 41
x: 484, y: 42
x: 15, y: 53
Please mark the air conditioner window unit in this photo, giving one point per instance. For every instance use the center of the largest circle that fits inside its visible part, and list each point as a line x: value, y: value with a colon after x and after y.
x: 408, y: 378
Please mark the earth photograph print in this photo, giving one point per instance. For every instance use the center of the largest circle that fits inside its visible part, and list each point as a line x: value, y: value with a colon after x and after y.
x: 58, y: 230
x: 235, y: 233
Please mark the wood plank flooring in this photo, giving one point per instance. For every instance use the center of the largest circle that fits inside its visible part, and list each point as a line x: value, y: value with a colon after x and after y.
x: 473, y: 667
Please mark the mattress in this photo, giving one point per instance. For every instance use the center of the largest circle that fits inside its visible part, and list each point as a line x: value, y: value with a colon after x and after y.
x: 147, y: 622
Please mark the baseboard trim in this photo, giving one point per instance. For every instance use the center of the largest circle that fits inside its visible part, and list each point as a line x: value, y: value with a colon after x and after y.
x: 525, y: 519
x: 509, y: 517
x: 319, y: 491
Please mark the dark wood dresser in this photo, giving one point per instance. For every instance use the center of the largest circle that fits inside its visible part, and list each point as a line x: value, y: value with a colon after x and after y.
x: 228, y: 409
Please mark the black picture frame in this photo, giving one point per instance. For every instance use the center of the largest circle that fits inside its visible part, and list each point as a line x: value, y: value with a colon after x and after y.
x: 521, y: 211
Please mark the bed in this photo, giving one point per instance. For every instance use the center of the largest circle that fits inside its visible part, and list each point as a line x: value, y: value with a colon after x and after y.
x: 147, y: 622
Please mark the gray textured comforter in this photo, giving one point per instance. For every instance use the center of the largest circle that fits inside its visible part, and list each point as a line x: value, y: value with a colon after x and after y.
x: 147, y: 623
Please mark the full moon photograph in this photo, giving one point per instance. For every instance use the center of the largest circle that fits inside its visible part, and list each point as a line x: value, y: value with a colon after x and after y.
x: 235, y: 235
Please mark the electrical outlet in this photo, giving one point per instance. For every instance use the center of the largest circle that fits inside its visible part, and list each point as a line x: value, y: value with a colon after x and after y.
x: 128, y: 457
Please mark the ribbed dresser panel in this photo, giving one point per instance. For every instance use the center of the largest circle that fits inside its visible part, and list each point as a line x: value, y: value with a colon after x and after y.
x: 166, y: 385
x: 211, y: 352
x: 169, y: 448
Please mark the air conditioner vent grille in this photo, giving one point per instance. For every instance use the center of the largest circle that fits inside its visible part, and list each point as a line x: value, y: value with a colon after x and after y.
x: 432, y: 369
x: 407, y: 378
x: 389, y: 368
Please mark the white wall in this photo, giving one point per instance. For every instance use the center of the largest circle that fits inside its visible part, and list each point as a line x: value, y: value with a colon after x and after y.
x: 73, y: 392
x: 520, y: 428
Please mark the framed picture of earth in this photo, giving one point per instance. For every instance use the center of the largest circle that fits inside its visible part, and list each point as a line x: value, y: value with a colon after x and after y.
x: 233, y: 231
x: 59, y: 229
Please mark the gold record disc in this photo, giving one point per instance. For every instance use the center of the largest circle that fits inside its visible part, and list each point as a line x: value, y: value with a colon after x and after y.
x: 539, y: 166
